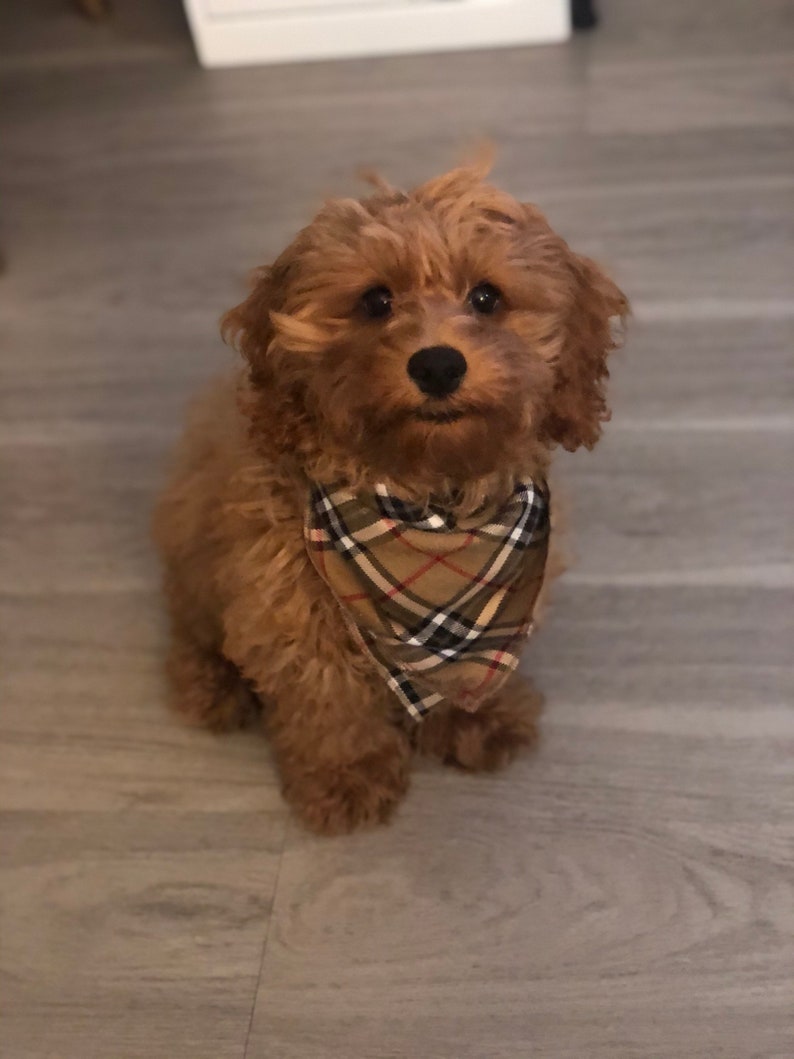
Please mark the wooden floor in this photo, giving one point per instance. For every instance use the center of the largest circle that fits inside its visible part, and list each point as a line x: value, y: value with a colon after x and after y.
x: 626, y: 892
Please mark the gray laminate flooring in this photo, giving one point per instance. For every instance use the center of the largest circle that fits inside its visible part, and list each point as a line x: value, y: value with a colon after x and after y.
x: 628, y: 891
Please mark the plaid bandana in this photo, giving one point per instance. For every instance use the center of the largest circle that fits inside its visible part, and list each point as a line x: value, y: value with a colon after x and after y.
x: 441, y: 607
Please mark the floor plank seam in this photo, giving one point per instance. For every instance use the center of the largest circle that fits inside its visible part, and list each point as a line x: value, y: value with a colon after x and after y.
x: 266, y: 938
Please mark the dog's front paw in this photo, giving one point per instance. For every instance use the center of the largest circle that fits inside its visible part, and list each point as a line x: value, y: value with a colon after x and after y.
x: 485, y: 740
x: 334, y: 799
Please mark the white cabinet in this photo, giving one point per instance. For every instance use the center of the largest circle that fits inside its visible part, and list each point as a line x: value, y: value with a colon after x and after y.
x: 233, y: 32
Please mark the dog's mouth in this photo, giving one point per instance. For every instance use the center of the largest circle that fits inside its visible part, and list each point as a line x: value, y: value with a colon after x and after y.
x: 438, y: 415
x: 430, y: 414
x: 432, y: 438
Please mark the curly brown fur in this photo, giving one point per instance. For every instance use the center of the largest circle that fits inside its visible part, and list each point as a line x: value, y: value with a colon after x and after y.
x: 94, y: 9
x: 325, y: 396
x: 489, y: 738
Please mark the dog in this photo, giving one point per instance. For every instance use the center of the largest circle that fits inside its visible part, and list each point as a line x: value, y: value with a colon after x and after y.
x: 356, y: 534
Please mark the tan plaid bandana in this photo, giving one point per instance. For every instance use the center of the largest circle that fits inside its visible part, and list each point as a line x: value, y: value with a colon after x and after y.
x: 441, y: 607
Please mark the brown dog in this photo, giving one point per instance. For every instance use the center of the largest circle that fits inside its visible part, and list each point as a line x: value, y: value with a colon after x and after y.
x: 434, y: 347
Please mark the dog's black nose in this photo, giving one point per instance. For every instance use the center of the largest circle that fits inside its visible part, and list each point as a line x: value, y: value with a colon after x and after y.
x: 437, y: 370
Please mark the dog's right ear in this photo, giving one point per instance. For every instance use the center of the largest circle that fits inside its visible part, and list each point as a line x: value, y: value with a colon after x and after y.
x: 248, y: 327
x: 274, y: 401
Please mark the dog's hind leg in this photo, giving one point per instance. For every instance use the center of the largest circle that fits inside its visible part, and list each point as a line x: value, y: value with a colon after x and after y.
x: 206, y: 688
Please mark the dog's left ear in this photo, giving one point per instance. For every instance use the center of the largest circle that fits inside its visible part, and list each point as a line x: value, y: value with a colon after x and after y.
x: 592, y: 330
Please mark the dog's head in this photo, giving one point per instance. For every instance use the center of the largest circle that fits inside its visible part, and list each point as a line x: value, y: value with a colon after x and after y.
x: 434, y: 336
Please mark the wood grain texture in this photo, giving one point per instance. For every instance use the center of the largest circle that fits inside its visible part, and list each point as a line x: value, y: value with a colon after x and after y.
x: 566, y: 917
x: 133, y: 933
x: 628, y: 891
x: 83, y: 723
x: 665, y: 501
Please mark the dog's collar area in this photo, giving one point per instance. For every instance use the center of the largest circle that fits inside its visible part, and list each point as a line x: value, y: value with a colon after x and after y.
x: 433, y: 516
x: 437, y: 514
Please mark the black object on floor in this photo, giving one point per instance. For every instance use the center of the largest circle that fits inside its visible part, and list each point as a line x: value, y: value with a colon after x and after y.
x: 583, y: 14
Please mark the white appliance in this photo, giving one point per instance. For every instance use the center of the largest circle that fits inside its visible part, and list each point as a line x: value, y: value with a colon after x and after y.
x: 235, y: 32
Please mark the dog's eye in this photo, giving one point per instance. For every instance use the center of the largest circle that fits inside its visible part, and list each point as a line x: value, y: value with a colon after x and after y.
x: 376, y: 302
x: 485, y: 298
